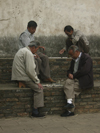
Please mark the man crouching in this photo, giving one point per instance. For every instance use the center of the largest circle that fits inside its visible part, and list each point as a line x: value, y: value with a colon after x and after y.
x: 23, y: 70
x: 80, y: 77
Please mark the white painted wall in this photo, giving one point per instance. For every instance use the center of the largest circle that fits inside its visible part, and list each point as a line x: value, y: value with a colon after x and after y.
x: 51, y: 15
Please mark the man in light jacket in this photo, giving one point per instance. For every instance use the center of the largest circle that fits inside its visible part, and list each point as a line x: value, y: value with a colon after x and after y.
x: 75, y: 37
x: 24, y: 70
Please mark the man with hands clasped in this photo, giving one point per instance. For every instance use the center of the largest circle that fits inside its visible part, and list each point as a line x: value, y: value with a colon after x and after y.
x: 79, y: 77
x: 24, y: 70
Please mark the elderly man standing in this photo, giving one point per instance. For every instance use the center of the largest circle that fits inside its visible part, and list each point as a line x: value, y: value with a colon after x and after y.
x: 75, y: 37
x: 80, y: 77
x: 23, y: 70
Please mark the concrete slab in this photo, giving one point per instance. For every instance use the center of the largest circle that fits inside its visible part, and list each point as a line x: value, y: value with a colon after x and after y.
x: 84, y: 123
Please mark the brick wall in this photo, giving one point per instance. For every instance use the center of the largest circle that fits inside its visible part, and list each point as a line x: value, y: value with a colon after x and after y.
x: 18, y: 102
x: 58, y: 68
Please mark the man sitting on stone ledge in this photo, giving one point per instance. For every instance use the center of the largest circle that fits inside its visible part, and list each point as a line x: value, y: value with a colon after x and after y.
x: 42, y: 60
x: 24, y: 70
x: 80, y: 77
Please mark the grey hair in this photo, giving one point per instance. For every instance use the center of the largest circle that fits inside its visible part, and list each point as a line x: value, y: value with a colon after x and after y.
x: 74, y: 48
x: 34, y: 43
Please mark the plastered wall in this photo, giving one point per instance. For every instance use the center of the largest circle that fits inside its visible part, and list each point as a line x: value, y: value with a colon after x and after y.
x: 51, y: 16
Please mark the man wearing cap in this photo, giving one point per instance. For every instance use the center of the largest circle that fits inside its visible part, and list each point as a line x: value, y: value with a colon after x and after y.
x: 24, y: 70
x: 42, y: 61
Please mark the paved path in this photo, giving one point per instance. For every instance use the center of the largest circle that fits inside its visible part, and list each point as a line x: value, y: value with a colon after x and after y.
x: 83, y: 123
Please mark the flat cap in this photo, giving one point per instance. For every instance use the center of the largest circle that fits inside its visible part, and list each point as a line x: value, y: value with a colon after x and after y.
x: 34, y: 43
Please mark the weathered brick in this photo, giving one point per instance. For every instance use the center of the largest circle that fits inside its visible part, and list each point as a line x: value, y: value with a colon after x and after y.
x: 94, y: 110
x: 27, y: 106
x: 25, y: 99
x: 11, y: 99
x: 23, y: 114
x: 85, y: 96
x: 83, y: 103
x: 52, y: 109
x: 89, y: 106
x: 19, y: 106
x: 47, y: 93
x: 1, y: 115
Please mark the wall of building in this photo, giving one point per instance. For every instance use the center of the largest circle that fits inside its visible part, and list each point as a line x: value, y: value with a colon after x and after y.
x: 51, y: 16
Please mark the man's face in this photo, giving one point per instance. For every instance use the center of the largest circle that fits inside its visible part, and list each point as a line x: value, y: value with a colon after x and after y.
x: 34, y: 50
x: 31, y: 30
x: 74, y: 55
x: 68, y: 33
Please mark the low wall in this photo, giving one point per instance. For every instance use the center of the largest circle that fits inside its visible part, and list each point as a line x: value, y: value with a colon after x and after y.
x: 16, y: 101
x: 58, y: 66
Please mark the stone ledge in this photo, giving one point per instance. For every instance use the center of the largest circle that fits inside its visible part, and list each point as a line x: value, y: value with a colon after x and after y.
x: 16, y: 101
x: 11, y: 58
x: 45, y: 85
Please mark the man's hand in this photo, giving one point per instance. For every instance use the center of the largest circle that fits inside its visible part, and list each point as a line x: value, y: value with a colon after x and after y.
x: 36, y: 56
x: 70, y: 76
x: 42, y: 47
x: 40, y: 86
x: 61, y: 51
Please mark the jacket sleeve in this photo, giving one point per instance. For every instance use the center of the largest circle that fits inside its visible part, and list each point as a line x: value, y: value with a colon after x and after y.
x: 76, y: 38
x: 85, y: 68
x: 25, y: 40
x: 30, y: 67
x: 70, y: 71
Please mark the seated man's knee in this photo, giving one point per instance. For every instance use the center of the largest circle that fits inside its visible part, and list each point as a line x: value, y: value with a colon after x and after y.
x: 68, y: 82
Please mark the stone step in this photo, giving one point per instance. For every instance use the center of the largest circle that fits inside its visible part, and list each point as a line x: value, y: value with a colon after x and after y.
x: 16, y: 101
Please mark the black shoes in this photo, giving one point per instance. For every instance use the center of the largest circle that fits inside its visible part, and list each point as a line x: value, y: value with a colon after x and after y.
x: 67, y: 113
x: 37, y: 115
x: 69, y: 105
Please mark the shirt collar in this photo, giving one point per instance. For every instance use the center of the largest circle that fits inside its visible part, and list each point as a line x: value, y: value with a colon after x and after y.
x: 28, y: 48
x: 78, y: 57
x: 28, y: 33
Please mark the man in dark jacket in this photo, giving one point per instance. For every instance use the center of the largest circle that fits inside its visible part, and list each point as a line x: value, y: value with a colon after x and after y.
x: 80, y: 77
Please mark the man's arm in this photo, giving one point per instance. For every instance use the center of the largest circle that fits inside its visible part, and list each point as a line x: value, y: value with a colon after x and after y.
x: 71, y: 68
x: 76, y: 38
x: 41, y: 47
x: 62, y: 51
x: 24, y: 40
